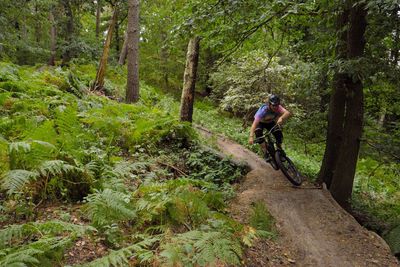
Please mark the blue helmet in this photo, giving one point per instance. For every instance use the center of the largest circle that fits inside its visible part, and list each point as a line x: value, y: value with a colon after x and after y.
x: 274, y: 100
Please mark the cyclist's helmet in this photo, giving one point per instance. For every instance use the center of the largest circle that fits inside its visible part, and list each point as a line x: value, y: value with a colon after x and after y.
x: 274, y: 100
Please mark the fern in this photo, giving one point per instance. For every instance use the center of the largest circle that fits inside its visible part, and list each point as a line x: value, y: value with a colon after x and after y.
x: 18, y: 146
x: 140, y: 250
x: 18, y: 232
x: 56, y: 167
x: 393, y: 239
x: 45, y: 250
x: 108, y: 206
x: 114, y: 177
x: 195, y: 248
x: 15, y: 180
x: 28, y: 154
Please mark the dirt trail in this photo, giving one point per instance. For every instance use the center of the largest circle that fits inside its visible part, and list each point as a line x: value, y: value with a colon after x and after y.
x: 313, y: 229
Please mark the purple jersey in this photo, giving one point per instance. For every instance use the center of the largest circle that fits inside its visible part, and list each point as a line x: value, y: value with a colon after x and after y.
x: 266, y: 115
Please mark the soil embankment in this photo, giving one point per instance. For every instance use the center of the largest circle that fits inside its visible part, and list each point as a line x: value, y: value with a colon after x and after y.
x: 313, y: 229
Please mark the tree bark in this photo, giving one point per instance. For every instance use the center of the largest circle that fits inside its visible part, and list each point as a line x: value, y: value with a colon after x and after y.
x: 124, y: 50
x: 346, y: 108
x: 132, y: 87
x: 189, y: 79
x: 99, y: 82
x: 69, y: 30
x: 164, y: 59
x: 342, y: 181
x: 117, y: 38
x: 336, y: 107
x: 98, y: 16
x: 53, y: 39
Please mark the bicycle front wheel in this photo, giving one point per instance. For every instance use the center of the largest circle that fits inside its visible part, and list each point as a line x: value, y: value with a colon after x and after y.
x: 288, y: 168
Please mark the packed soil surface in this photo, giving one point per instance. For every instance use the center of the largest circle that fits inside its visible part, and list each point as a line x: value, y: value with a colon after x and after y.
x: 313, y: 229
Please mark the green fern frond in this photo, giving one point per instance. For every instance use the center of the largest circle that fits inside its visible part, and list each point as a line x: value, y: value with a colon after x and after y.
x: 16, y: 147
x: 20, y: 257
x: 120, y: 257
x: 108, y: 206
x: 201, y: 248
x: 28, y: 154
x: 56, y: 167
x: 393, y: 239
x: 43, y: 250
x: 18, y: 232
x: 15, y: 180
x: 3, y: 140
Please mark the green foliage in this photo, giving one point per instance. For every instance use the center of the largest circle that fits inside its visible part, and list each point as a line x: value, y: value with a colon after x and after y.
x: 14, y: 234
x: 176, y: 201
x: 108, y: 206
x: 45, y: 251
x: 49, y: 242
x: 241, y: 86
x: 393, y: 239
x: 261, y: 219
x: 140, y: 251
x: 8, y: 72
x: 199, y: 248
x: 207, y: 166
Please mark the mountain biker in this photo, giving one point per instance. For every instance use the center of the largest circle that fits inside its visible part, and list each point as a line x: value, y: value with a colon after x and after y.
x: 267, y: 116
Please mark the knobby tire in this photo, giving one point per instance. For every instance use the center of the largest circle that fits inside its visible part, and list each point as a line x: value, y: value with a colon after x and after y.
x: 288, y: 168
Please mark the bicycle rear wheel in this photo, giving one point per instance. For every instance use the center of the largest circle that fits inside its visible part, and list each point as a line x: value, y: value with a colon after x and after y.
x: 287, y: 167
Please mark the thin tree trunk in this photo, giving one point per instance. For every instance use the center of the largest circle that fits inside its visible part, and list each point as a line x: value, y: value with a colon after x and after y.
x: 53, y: 39
x: 117, y: 38
x: 99, y: 82
x: 189, y: 79
x: 69, y: 30
x: 164, y: 59
x: 124, y: 50
x: 132, y: 87
x: 342, y: 182
x: 98, y: 16
x: 38, y: 32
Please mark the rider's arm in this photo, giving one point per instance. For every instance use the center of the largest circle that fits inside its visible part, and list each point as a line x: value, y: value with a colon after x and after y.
x: 285, y: 114
x: 252, y: 129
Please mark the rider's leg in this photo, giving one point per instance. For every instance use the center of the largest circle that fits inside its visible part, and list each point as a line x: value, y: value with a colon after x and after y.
x: 279, y: 138
x: 259, y: 133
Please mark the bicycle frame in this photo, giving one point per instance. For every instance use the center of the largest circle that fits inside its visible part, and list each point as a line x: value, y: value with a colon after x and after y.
x: 279, y: 159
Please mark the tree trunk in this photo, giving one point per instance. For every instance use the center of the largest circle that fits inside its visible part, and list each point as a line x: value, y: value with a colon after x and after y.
x: 124, y: 50
x: 117, y: 38
x: 336, y: 107
x: 38, y: 26
x: 189, y: 79
x: 99, y: 82
x: 132, y: 87
x: 164, y: 59
x: 98, y: 16
x: 69, y: 30
x: 53, y: 39
x: 342, y: 182
x: 346, y: 108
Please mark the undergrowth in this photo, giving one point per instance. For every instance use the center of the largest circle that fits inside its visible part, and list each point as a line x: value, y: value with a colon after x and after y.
x: 146, y: 188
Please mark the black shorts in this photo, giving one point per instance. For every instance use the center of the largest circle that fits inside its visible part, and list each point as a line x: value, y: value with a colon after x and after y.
x: 268, y: 126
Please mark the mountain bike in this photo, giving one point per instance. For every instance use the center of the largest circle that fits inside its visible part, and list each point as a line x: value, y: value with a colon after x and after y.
x: 278, y: 158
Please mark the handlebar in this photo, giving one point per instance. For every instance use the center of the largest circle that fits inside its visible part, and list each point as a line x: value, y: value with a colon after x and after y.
x: 273, y: 129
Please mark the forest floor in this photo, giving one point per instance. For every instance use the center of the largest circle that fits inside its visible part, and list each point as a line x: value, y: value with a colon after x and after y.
x: 313, y: 230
